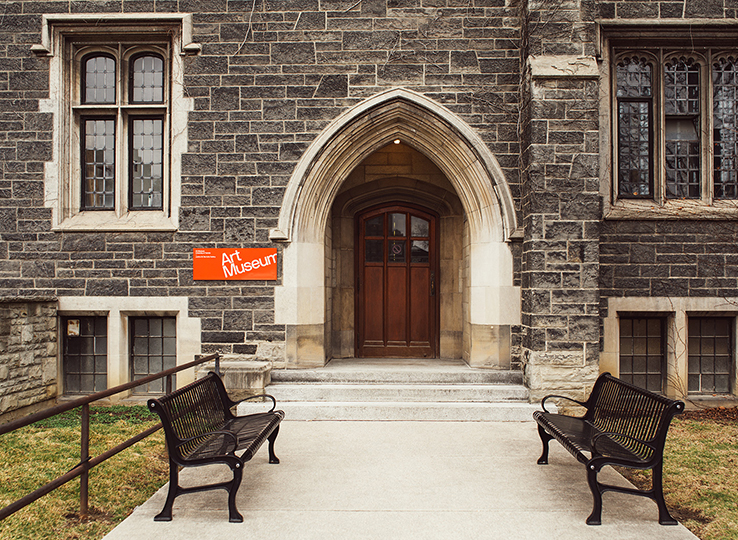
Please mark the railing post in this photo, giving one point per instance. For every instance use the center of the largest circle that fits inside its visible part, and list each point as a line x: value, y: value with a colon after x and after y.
x: 84, y: 458
x: 168, y: 384
x: 87, y: 463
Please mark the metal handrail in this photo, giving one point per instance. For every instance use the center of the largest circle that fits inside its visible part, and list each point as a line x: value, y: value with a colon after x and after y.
x: 87, y: 463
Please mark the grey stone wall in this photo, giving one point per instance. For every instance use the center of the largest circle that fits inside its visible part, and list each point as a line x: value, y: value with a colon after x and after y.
x: 28, y: 352
x: 669, y: 9
x: 271, y: 75
x: 669, y: 258
x: 663, y: 258
x: 561, y: 207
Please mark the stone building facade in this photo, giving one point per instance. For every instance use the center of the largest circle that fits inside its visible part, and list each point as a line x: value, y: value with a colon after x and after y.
x: 564, y: 173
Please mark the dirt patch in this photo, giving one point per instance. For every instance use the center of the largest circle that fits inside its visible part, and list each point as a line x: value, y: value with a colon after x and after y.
x: 725, y: 415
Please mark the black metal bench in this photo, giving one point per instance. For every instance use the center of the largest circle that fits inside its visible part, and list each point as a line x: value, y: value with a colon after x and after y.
x: 623, y: 425
x: 200, y: 429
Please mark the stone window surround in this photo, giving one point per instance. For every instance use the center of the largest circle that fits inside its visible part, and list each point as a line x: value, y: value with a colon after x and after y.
x: 707, y: 31
x: 677, y: 311
x: 62, y: 184
x: 118, y: 310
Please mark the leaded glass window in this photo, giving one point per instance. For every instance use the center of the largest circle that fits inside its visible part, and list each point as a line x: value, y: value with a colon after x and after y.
x: 147, y: 159
x: 682, y: 136
x: 724, y: 126
x: 635, y: 102
x: 147, y: 79
x: 675, y: 129
x: 99, y: 163
x: 122, y: 117
x: 99, y: 79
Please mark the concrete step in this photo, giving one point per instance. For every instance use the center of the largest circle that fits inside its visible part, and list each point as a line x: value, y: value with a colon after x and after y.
x: 396, y: 376
x: 409, y: 411
x: 399, y: 389
x: 391, y: 392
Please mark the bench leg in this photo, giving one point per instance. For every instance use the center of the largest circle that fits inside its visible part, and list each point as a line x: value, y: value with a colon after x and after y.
x: 271, y: 439
x: 658, y: 496
x: 166, y: 513
x: 233, y: 515
x: 595, y: 518
x: 545, y: 437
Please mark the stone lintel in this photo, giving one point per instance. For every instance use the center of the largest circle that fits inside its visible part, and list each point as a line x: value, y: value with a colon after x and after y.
x: 563, y: 66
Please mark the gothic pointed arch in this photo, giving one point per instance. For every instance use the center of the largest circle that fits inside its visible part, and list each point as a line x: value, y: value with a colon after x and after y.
x: 419, y: 122
x: 301, y: 302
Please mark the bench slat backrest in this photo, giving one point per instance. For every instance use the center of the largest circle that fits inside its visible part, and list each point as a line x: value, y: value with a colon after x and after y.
x: 620, y: 407
x: 195, y: 409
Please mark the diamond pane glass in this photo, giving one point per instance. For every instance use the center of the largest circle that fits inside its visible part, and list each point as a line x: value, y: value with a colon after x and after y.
x: 634, y: 78
x: 724, y: 126
x: 634, y: 148
x: 682, y: 168
x: 99, y: 164
x: 99, y: 80
x: 147, y: 163
x: 147, y: 79
x: 682, y: 108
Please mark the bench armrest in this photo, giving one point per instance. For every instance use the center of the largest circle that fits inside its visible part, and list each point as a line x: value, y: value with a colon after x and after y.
x: 274, y: 401
x: 201, y: 435
x: 613, y: 434
x: 543, y: 401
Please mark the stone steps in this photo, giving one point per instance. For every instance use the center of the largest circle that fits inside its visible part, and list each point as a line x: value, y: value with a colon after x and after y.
x: 287, y: 392
x: 402, y: 390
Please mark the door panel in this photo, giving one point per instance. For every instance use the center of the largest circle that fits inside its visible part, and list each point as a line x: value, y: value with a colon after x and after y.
x: 396, y: 312
x: 374, y: 317
x: 419, y: 305
x: 396, y: 269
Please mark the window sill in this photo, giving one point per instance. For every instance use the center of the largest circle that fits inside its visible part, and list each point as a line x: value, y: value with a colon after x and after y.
x: 682, y: 209
x: 109, y: 221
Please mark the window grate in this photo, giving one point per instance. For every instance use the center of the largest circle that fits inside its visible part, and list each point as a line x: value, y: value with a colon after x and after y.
x: 710, y: 345
x: 153, y: 349
x: 642, y: 348
x: 85, y: 354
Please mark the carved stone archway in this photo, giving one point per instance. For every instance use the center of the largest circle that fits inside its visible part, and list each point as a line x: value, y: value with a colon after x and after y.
x: 494, y: 303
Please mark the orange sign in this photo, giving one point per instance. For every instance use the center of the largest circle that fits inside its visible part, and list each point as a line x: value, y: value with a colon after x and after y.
x: 243, y: 264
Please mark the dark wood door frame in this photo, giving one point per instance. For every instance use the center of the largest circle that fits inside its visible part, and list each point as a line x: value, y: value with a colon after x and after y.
x: 396, y: 288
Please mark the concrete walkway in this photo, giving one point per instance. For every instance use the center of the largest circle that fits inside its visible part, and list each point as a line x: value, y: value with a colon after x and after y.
x: 403, y: 480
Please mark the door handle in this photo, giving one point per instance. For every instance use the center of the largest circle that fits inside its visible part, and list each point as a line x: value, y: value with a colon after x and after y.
x: 433, y: 284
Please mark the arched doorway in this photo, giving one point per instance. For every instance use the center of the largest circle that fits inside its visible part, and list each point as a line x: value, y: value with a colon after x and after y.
x: 305, y: 303
x: 396, y: 282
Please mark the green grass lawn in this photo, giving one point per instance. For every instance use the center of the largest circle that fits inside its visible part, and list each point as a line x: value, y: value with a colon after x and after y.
x: 35, y: 455
x: 700, y: 473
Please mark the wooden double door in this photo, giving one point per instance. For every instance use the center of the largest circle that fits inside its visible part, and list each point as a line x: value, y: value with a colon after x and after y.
x: 397, y: 283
